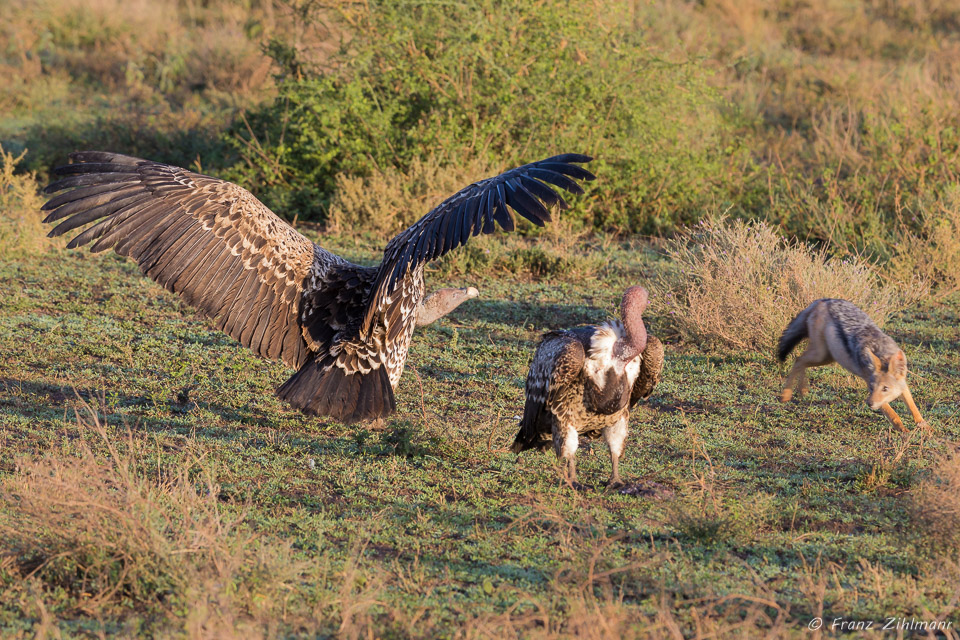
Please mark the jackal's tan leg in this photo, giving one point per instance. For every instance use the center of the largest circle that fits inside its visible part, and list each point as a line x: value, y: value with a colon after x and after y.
x: 892, y: 416
x: 817, y: 354
x: 798, y: 377
x: 802, y: 386
x: 914, y: 411
x: 798, y: 369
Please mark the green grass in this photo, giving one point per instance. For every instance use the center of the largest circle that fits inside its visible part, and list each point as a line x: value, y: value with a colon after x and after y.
x: 221, y: 512
x: 424, y: 525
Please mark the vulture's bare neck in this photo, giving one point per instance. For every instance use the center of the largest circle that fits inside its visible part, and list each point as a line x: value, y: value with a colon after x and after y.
x: 634, y: 339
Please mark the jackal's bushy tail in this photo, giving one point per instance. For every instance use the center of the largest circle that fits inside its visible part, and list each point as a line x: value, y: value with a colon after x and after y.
x: 794, y: 333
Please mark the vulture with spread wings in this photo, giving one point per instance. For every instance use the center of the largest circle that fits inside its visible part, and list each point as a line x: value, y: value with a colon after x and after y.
x: 344, y: 327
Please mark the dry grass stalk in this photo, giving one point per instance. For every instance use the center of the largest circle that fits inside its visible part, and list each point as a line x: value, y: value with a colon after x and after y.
x: 21, y: 232
x: 594, y: 592
x: 705, y: 513
x: 738, y: 284
x: 103, y: 532
x: 936, y: 506
x: 890, y: 457
x: 359, y: 593
x: 142, y: 47
x: 389, y: 201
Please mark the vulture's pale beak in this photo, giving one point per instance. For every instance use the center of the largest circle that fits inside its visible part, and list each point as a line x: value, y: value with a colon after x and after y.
x: 441, y: 302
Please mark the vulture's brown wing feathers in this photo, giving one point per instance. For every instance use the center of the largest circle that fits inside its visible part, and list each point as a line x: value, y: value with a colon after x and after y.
x: 346, y: 376
x: 208, y: 240
x: 557, y: 366
x: 473, y: 211
x: 651, y: 366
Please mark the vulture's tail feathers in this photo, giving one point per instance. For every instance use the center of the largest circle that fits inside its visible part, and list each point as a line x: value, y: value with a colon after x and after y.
x: 529, y: 435
x: 323, y: 388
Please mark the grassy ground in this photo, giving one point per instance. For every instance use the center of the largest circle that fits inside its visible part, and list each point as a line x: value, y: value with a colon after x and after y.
x: 150, y: 483
x: 748, y: 514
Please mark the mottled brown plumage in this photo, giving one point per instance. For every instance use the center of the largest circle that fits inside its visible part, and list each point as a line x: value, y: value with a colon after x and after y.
x: 583, y: 382
x: 346, y: 328
x: 651, y: 366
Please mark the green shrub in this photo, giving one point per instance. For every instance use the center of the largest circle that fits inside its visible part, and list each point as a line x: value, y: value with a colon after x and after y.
x: 500, y: 83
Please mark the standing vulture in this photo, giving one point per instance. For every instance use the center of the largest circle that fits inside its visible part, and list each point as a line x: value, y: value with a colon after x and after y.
x: 584, y: 381
x: 345, y: 328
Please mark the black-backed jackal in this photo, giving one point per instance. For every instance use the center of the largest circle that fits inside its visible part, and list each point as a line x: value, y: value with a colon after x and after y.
x: 838, y: 331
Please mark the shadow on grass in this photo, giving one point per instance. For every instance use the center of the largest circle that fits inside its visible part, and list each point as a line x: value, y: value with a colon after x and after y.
x: 39, y: 401
x: 544, y: 317
x: 49, y: 401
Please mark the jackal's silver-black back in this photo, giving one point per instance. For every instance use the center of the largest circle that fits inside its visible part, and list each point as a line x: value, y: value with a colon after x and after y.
x: 859, y: 333
x: 856, y: 330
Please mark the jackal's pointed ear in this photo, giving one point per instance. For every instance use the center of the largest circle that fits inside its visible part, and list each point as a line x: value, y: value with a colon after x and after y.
x: 877, y: 365
x: 898, y: 364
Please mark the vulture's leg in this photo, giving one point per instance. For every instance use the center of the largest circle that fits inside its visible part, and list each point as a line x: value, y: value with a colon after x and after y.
x: 615, y: 436
x: 565, y: 443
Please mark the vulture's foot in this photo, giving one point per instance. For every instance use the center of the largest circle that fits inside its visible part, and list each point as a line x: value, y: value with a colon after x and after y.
x: 573, y: 484
x: 614, y: 483
x: 569, y: 477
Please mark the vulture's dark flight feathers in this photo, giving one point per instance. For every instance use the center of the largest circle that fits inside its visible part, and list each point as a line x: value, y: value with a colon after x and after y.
x: 346, y: 328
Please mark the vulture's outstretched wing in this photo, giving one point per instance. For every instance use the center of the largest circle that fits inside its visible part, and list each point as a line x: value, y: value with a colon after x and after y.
x: 651, y: 366
x: 555, y: 371
x: 206, y: 239
x: 472, y: 211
